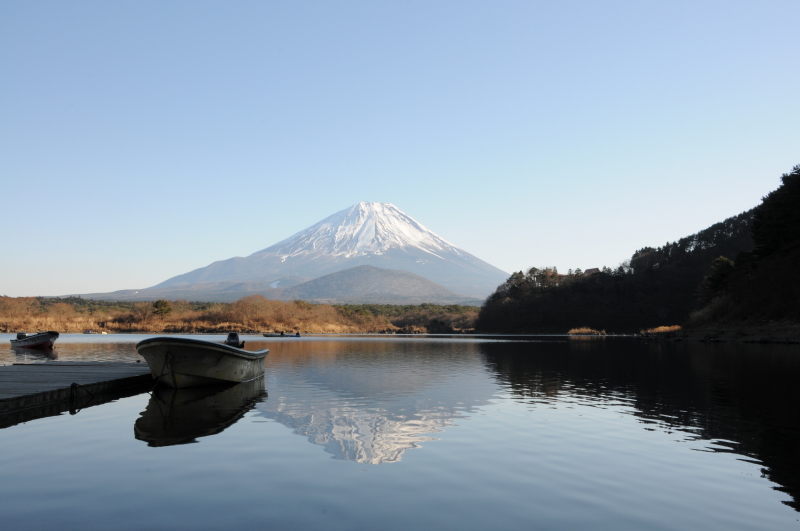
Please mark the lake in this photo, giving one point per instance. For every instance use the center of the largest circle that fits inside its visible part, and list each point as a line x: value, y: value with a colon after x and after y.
x: 425, y: 432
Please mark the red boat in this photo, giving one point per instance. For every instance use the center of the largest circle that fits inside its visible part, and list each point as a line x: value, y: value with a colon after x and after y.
x: 40, y: 340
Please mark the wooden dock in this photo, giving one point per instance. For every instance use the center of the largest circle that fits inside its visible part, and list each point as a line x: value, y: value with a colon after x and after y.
x: 35, y: 390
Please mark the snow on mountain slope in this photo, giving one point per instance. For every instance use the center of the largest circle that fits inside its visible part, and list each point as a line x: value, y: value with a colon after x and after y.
x: 376, y: 234
x: 365, y: 228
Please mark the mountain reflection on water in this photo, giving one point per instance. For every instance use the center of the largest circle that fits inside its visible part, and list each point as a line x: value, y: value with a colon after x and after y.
x: 371, y: 401
x: 741, y: 398
x: 180, y: 416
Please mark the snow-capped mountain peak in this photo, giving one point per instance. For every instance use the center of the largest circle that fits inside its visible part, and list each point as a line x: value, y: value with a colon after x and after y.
x: 363, y: 229
x: 374, y: 234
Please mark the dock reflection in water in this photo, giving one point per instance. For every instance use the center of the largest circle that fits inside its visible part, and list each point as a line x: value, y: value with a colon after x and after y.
x: 180, y: 416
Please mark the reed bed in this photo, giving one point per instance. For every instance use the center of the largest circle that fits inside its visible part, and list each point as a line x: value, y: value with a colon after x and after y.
x: 661, y: 330
x: 585, y: 331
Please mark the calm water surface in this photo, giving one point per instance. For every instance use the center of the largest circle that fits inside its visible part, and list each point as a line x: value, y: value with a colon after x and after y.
x: 425, y: 433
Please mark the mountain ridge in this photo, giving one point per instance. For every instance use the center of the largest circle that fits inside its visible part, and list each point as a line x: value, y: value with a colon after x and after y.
x: 357, y: 285
x: 376, y: 234
x: 370, y: 284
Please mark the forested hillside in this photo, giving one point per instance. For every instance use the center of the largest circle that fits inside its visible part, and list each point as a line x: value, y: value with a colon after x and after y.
x: 761, y: 286
x: 656, y: 286
x: 742, y: 270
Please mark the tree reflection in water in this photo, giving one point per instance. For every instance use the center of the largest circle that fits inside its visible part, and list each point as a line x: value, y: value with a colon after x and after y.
x: 742, y: 397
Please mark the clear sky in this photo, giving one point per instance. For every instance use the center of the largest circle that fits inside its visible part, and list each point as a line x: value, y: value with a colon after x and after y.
x: 141, y: 140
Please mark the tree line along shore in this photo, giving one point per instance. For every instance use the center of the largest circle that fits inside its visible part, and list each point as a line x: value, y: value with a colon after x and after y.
x: 252, y: 314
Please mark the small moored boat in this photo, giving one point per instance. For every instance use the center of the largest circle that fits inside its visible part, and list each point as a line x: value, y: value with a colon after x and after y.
x: 40, y: 340
x: 182, y: 362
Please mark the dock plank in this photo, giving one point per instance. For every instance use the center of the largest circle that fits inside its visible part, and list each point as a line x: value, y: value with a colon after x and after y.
x: 37, y: 385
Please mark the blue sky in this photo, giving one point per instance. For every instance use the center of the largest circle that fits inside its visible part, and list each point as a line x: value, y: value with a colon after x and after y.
x: 141, y: 140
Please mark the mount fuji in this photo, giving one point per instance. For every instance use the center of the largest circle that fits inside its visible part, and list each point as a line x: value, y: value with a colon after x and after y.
x: 366, y: 234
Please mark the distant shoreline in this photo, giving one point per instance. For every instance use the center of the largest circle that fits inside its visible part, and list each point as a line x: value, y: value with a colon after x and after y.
x: 253, y: 315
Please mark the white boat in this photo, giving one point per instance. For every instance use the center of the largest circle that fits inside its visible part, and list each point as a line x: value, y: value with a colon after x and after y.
x: 40, y: 340
x: 182, y: 362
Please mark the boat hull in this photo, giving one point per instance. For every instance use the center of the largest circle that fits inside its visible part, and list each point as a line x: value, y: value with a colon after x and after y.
x: 42, y: 340
x: 180, y: 362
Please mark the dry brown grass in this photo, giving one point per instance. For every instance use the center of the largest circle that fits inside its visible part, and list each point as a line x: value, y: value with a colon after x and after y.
x: 253, y: 314
x: 661, y: 330
x: 586, y: 331
x: 26, y: 314
x: 711, y: 312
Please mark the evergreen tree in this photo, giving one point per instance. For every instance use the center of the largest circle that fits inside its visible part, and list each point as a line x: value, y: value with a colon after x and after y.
x: 162, y: 308
x: 776, y: 224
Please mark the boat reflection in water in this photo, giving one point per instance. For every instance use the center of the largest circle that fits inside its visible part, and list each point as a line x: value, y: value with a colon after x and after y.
x: 27, y: 355
x: 180, y: 416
